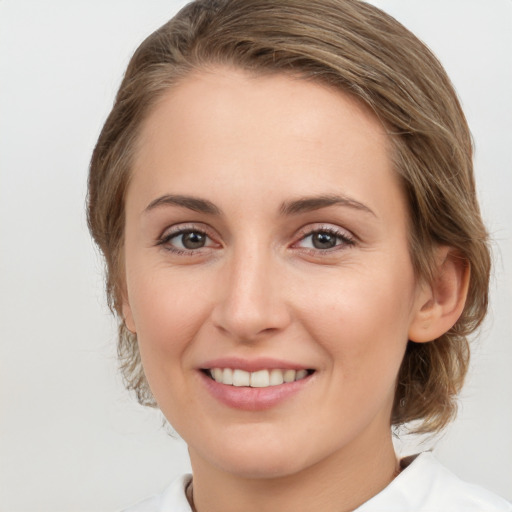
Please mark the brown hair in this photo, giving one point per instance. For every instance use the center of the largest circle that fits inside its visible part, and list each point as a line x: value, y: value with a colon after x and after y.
x: 359, y: 50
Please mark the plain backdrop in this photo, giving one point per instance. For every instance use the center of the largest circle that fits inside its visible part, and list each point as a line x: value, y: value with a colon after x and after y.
x: 71, y: 438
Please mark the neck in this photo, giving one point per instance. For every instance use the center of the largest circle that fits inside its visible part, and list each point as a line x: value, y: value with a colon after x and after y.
x: 339, y: 483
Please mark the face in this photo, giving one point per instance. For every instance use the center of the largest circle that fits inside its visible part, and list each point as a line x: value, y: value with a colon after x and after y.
x: 267, y: 271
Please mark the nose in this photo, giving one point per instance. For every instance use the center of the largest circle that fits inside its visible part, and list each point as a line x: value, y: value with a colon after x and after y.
x: 251, y: 303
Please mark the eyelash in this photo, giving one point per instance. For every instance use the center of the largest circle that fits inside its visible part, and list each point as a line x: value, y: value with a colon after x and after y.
x: 166, y: 238
x: 345, y: 239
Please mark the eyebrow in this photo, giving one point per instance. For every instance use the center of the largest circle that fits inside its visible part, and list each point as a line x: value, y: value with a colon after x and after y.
x: 295, y: 207
x: 308, y: 204
x: 192, y: 203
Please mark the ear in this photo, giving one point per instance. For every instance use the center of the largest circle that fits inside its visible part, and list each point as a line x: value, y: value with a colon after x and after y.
x: 439, y: 304
x: 128, y: 316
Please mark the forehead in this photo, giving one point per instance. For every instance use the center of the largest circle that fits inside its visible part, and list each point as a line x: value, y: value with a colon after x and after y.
x: 220, y: 98
x: 222, y: 128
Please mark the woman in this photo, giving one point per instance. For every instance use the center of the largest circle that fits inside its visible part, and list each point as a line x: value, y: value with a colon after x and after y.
x: 284, y: 196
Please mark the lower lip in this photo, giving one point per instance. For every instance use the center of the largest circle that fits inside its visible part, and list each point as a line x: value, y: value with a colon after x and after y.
x: 253, y: 399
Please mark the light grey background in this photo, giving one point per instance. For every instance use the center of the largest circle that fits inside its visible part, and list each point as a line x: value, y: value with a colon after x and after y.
x: 71, y: 437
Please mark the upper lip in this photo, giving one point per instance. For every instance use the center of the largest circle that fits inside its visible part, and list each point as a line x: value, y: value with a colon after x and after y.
x: 252, y: 365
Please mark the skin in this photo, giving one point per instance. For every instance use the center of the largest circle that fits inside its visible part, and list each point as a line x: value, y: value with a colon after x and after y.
x: 260, y: 288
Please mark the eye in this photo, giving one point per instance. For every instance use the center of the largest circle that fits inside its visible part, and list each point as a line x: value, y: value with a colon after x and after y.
x: 325, y: 239
x: 191, y: 240
x: 185, y: 240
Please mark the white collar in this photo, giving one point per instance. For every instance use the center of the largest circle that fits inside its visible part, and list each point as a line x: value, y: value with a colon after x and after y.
x: 424, y: 485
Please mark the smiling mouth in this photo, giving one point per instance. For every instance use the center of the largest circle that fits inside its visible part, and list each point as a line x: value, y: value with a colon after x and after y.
x: 258, y: 379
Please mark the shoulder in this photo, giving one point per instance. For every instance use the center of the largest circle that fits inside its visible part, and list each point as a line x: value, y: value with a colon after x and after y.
x: 425, y: 485
x: 452, y: 493
x: 172, y: 498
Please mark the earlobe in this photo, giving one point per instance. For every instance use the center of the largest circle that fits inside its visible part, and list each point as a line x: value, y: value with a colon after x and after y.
x: 439, y: 304
x: 128, y: 317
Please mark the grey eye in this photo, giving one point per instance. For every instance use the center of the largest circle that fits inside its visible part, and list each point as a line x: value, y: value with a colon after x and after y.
x: 324, y: 240
x: 193, y: 240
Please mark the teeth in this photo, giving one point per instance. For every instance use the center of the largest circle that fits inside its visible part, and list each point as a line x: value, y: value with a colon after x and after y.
x: 289, y: 375
x: 301, y: 374
x: 240, y: 378
x: 276, y: 377
x: 259, y: 379
x: 227, y: 376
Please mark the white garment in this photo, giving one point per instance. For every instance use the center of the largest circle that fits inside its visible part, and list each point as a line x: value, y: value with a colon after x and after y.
x: 423, y: 486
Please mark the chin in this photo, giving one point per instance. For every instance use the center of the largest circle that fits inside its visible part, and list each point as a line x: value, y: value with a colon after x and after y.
x: 267, y: 465
x: 254, y: 457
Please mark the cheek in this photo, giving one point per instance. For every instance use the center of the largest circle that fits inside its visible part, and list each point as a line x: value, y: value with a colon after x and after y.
x: 167, y: 316
x: 167, y: 322
x: 362, y: 320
